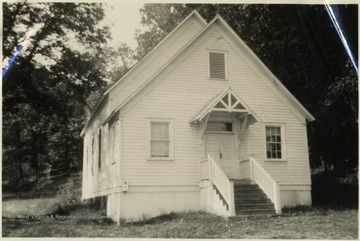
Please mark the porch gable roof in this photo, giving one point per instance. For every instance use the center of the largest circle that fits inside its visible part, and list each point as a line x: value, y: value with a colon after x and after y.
x: 226, y: 101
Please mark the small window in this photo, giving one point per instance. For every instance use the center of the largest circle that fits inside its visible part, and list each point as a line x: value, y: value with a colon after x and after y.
x: 112, y: 137
x: 217, y: 65
x: 92, y: 154
x: 219, y: 127
x: 274, y: 142
x: 99, y: 149
x: 160, y: 140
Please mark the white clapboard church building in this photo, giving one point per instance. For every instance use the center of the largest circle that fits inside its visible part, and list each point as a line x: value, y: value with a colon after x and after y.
x: 200, y: 123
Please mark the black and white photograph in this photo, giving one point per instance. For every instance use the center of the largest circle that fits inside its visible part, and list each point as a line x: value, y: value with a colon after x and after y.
x: 186, y: 120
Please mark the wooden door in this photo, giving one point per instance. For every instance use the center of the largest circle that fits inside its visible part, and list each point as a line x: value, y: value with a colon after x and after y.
x: 222, y: 148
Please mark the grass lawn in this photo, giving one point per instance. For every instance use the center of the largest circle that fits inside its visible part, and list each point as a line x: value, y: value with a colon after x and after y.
x: 312, y: 224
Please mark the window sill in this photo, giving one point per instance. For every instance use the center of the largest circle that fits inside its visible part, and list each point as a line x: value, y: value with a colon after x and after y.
x: 275, y: 160
x: 160, y: 159
x: 218, y: 79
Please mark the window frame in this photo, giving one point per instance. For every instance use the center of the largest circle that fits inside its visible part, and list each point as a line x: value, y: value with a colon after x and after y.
x: 225, y: 64
x: 99, y: 154
x: 221, y: 132
x: 112, y: 141
x: 171, y: 140
x: 283, y: 141
x: 93, y: 146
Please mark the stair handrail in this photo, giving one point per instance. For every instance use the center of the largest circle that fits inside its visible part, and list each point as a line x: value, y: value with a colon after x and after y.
x: 222, y: 183
x: 268, y: 184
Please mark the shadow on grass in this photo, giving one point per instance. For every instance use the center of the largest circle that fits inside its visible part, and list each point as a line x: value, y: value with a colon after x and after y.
x: 155, y: 220
x: 315, y: 210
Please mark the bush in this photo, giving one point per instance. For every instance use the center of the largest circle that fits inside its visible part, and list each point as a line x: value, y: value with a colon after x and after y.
x: 304, y: 210
x: 70, y: 192
x: 327, y: 191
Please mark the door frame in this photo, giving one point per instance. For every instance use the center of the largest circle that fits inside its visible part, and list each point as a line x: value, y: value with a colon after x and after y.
x: 235, y: 130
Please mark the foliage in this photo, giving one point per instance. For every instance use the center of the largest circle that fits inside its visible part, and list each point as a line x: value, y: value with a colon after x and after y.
x: 69, y: 192
x: 329, y: 191
x: 45, y: 91
x: 303, y: 210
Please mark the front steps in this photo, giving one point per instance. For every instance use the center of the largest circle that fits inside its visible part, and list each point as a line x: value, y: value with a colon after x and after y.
x: 251, y: 201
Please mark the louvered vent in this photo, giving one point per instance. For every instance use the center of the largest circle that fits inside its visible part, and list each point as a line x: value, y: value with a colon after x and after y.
x: 217, y: 65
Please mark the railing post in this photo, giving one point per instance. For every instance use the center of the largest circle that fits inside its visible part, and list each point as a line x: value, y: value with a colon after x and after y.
x: 277, y: 198
x: 232, y: 199
x: 209, y: 167
x: 251, y: 170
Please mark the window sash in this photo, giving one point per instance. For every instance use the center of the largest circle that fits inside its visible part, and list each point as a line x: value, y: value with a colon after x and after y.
x: 159, y: 139
x: 274, y: 142
x: 226, y: 127
x: 160, y: 148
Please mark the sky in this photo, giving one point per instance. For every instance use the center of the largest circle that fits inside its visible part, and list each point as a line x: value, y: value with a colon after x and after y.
x: 124, y: 19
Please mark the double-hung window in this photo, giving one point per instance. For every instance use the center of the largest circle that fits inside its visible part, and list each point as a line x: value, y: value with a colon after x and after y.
x: 161, y: 140
x: 274, y: 142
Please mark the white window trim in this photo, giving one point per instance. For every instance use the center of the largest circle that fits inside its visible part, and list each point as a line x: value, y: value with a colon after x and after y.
x: 99, y: 137
x: 283, y: 141
x: 226, y: 64
x: 112, y: 138
x: 171, y: 142
x: 93, y: 153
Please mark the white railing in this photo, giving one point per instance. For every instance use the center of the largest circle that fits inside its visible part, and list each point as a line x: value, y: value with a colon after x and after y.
x: 244, y: 169
x: 210, y: 170
x: 266, y: 182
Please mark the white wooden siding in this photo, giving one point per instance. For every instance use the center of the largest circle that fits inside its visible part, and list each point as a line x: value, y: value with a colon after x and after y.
x: 149, y: 67
x: 104, y: 180
x: 182, y: 93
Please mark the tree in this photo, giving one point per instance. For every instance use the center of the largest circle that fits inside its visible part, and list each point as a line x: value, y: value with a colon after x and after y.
x: 45, y: 91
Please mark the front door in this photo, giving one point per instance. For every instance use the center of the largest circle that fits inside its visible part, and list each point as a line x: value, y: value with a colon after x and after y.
x: 222, y: 147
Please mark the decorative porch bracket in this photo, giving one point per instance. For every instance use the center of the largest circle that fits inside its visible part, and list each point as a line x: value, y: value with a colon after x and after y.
x: 203, y: 124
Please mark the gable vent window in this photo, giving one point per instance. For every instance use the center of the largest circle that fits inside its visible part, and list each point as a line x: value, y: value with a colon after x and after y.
x: 217, y: 65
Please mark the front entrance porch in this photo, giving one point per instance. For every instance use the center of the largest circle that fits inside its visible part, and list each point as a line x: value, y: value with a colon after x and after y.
x: 222, y: 126
x: 258, y: 195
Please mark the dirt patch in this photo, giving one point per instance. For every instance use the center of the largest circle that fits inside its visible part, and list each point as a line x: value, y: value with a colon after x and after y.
x: 310, y: 225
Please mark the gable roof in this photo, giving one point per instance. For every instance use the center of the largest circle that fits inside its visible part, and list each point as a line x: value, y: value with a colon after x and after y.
x: 271, y: 80
x: 193, y: 15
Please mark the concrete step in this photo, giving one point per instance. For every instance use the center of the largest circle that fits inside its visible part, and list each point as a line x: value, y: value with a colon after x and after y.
x: 253, y: 201
x: 246, y: 187
x: 243, y: 181
x: 252, y: 216
x: 250, y: 200
x: 254, y: 211
x: 254, y: 206
x: 250, y: 196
